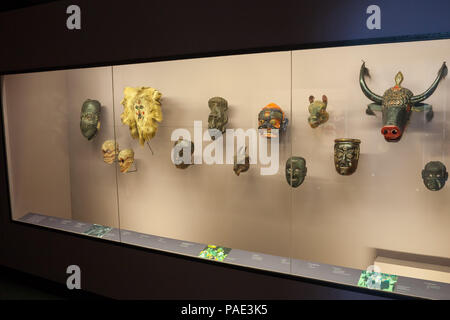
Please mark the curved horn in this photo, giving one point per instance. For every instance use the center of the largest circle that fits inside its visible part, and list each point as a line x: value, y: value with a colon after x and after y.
x: 369, y: 94
x: 441, y: 74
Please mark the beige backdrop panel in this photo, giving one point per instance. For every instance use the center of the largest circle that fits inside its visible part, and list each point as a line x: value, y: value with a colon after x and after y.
x: 207, y: 203
x: 93, y: 182
x: 341, y: 220
x: 330, y: 218
x: 36, y: 119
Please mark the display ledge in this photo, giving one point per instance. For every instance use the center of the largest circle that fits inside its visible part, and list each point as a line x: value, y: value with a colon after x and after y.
x: 347, y: 276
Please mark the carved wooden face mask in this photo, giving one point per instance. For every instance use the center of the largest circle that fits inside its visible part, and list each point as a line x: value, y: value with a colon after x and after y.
x: 318, y: 111
x: 142, y: 112
x: 126, y: 159
x: 346, y: 155
x: 218, y: 118
x: 434, y: 175
x: 295, y: 171
x: 110, y: 148
x: 90, y: 118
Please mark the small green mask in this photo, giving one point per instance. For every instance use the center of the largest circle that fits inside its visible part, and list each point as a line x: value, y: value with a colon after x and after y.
x: 295, y: 171
x: 90, y: 118
x: 434, y: 175
x: 218, y: 118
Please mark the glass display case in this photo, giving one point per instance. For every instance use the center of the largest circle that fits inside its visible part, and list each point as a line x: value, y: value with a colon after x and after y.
x: 347, y: 186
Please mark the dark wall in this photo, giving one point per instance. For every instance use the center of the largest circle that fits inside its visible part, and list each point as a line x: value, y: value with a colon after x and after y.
x: 36, y: 38
x: 117, y: 31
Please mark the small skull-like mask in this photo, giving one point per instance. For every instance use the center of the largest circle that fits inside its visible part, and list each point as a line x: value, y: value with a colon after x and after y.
x: 272, y: 117
x: 318, y: 111
x: 126, y: 159
x: 434, y: 175
x: 142, y: 112
x: 218, y: 118
x: 346, y: 155
x: 90, y: 118
x: 295, y: 171
x: 182, y: 153
x: 110, y: 148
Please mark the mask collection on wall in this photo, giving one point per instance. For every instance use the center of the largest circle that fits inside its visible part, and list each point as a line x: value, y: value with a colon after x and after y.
x: 142, y: 113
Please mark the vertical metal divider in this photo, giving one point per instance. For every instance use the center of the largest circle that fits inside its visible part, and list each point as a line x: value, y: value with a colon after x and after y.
x: 291, y: 250
x: 115, y: 162
x: 444, y: 137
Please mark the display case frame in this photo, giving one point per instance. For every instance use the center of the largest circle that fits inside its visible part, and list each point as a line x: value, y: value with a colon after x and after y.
x: 62, y: 247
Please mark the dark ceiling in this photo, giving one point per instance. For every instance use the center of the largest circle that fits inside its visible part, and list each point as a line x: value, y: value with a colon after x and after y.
x: 18, y: 4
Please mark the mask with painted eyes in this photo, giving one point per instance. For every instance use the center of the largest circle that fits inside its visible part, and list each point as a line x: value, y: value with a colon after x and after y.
x: 142, y: 112
x: 126, y: 159
x: 272, y: 119
x: 110, y: 148
x: 218, y: 118
x: 182, y: 153
x: 434, y: 175
x: 90, y: 118
x: 346, y: 155
x: 295, y: 171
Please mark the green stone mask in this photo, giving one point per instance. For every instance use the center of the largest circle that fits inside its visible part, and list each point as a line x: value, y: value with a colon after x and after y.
x: 218, y: 118
x: 434, y: 175
x: 295, y: 171
x: 90, y: 118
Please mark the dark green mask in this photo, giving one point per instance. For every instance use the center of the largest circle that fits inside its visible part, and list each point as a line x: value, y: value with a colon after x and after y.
x: 295, y: 171
x: 90, y: 118
x: 434, y: 175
